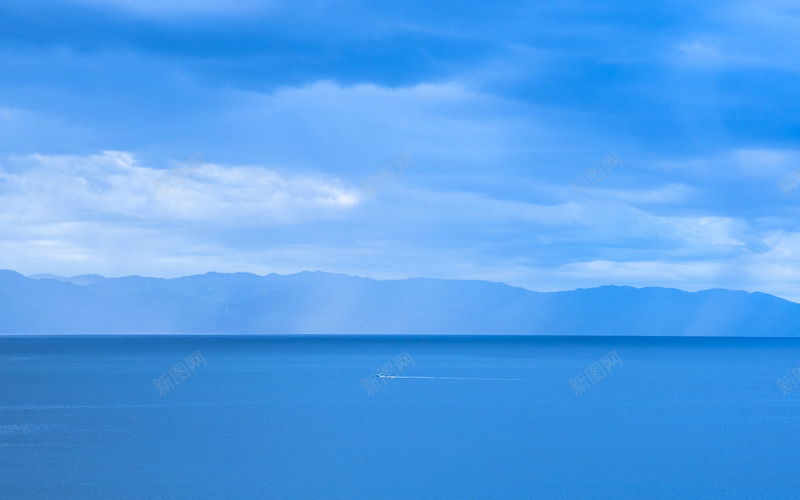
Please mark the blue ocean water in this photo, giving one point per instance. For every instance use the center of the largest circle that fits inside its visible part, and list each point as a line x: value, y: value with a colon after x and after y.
x: 306, y: 417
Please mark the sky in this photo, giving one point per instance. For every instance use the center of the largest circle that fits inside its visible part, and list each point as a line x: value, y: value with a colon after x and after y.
x: 169, y: 138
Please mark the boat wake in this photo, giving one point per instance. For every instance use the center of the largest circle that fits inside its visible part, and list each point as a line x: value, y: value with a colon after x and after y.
x: 381, y: 375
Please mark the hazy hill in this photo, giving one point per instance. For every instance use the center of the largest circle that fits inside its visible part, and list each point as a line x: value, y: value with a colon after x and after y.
x: 316, y: 302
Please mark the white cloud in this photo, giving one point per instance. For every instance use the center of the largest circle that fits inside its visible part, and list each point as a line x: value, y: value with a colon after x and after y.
x: 742, y: 164
x: 771, y: 163
x: 112, y: 184
x: 700, y: 53
x: 706, y: 231
x: 74, y: 214
x: 745, y: 33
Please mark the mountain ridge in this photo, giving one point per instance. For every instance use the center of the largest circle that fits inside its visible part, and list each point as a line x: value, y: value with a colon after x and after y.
x: 320, y: 302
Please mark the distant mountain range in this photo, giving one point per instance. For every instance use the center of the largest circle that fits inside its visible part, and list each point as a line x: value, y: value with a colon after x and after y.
x: 317, y: 302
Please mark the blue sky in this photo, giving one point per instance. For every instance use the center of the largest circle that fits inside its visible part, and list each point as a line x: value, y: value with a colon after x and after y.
x: 500, y: 105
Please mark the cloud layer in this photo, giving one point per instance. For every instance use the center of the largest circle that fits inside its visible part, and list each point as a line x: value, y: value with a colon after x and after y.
x: 500, y: 107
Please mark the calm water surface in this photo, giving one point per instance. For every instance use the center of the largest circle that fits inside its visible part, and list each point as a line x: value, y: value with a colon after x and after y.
x: 299, y: 417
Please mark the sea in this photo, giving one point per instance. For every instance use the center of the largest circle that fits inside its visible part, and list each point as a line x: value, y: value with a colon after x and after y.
x: 406, y: 417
